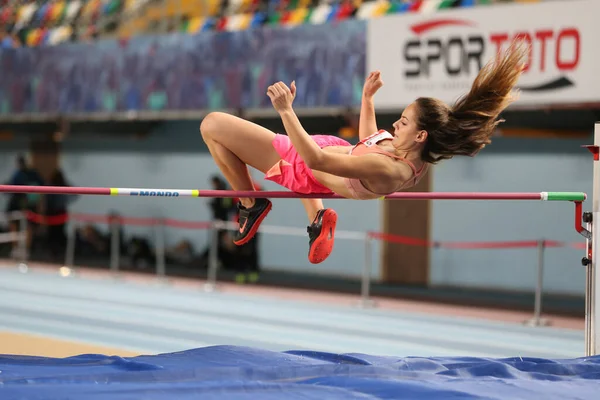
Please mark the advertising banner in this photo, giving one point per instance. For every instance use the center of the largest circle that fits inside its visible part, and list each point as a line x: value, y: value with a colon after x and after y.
x: 440, y: 54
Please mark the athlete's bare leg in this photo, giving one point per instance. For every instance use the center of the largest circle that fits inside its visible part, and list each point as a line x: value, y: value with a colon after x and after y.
x: 235, y: 143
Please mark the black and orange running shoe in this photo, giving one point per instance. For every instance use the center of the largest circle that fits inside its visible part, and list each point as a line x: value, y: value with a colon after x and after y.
x: 321, y: 234
x: 250, y: 219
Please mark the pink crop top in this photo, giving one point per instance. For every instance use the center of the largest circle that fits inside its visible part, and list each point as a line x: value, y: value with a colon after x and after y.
x: 369, y: 145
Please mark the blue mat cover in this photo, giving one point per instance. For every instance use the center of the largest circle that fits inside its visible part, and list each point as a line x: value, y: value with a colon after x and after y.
x: 230, y: 372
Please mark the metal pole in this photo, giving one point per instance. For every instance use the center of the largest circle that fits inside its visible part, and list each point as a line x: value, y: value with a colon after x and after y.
x: 365, y: 301
x: 589, y: 305
x: 211, y: 279
x: 115, y: 247
x: 595, y: 276
x: 70, y: 251
x: 537, y: 308
x: 22, y: 244
x: 160, y: 251
x: 22, y: 252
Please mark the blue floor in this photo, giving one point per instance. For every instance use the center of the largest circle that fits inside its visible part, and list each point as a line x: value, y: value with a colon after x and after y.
x: 209, y: 345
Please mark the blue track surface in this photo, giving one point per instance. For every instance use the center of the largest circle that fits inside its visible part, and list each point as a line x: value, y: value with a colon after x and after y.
x: 154, y: 319
x: 230, y: 372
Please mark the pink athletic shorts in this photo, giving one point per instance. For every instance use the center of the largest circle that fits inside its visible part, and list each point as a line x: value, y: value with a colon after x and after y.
x: 291, y: 172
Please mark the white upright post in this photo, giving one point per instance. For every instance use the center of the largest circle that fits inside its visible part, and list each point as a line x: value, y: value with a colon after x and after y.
x: 595, y: 300
x: 213, y: 258
x: 160, y: 249
x: 365, y: 285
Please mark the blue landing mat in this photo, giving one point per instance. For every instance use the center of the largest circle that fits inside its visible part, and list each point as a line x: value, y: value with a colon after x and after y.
x: 229, y: 372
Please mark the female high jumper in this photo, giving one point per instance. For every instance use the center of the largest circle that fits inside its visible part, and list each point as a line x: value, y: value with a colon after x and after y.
x: 382, y: 163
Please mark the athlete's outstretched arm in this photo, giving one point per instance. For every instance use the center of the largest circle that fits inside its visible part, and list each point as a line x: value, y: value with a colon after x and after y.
x: 362, y: 167
x: 282, y: 97
x: 344, y: 165
x: 306, y: 147
x: 368, y: 122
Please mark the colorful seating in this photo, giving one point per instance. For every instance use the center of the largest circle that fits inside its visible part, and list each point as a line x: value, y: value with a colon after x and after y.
x: 51, y: 22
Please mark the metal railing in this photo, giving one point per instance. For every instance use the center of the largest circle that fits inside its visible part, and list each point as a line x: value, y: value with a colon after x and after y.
x: 211, y: 283
x: 20, y: 252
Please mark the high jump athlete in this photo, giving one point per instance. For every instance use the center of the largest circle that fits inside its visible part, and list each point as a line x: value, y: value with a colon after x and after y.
x: 382, y: 163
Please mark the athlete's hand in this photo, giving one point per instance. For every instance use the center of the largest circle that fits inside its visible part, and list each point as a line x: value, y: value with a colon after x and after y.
x: 281, y: 96
x: 372, y: 84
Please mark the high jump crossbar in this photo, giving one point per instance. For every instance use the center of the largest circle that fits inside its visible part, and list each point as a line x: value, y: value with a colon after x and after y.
x: 143, y: 192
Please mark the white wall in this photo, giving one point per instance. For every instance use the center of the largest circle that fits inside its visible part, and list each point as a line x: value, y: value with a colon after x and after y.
x: 511, y: 220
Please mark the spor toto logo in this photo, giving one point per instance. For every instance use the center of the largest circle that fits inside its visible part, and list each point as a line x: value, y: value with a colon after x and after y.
x: 464, y: 54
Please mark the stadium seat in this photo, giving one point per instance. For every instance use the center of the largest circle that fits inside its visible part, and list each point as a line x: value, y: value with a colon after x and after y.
x: 51, y: 22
